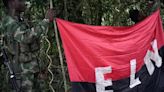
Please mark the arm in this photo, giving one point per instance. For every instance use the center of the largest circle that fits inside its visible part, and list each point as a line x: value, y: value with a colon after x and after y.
x: 153, y: 5
x: 26, y: 35
x: 38, y: 30
x: 23, y: 34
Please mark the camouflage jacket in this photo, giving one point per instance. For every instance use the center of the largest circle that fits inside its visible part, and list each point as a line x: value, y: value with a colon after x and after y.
x: 152, y: 7
x: 21, y: 42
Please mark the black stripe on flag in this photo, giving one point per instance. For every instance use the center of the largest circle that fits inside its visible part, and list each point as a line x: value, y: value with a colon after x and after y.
x: 149, y: 83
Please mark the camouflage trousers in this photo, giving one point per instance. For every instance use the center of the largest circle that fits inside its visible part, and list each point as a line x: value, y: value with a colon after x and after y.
x: 31, y: 83
x: 32, y: 79
x: 29, y: 80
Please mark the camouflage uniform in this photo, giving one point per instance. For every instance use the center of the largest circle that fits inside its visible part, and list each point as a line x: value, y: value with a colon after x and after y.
x: 22, y: 47
x: 152, y: 8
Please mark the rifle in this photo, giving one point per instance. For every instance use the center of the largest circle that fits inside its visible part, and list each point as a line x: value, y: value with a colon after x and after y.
x: 11, y: 72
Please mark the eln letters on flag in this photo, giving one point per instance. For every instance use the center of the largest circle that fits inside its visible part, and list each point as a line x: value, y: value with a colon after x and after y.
x: 114, y: 59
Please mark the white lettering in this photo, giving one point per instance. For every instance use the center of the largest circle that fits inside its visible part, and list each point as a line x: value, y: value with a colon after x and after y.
x: 152, y: 56
x: 101, y: 83
x: 133, y: 82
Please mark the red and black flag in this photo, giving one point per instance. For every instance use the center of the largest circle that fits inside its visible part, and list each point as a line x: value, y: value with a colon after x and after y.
x: 114, y: 59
